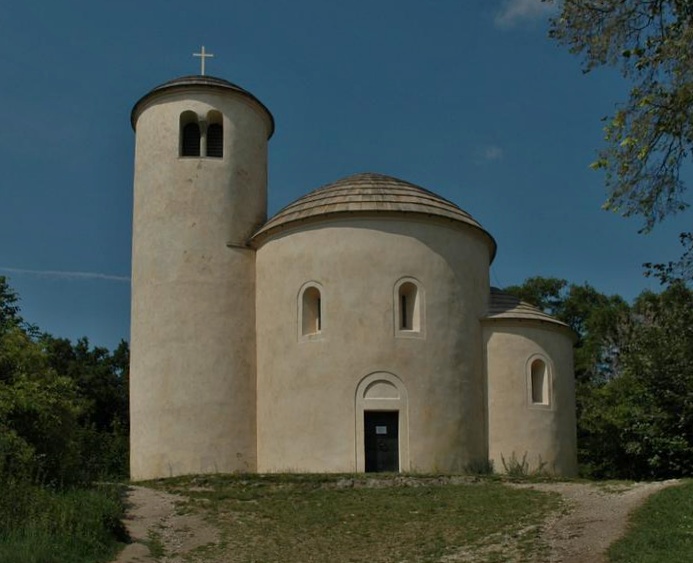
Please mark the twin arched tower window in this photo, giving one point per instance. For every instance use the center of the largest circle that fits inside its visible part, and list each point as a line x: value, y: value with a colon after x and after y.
x: 201, y: 137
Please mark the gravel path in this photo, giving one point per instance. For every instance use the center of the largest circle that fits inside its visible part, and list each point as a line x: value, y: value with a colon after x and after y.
x: 592, y: 518
x: 156, y: 527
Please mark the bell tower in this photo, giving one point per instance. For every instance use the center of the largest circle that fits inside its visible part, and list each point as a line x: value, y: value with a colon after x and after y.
x: 200, y: 191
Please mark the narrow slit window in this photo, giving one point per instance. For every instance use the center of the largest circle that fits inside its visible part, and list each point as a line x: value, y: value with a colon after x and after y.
x: 318, y: 320
x: 311, y: 320
x: 409, y: 307
x: 405, y: 321
x: 540, y: 383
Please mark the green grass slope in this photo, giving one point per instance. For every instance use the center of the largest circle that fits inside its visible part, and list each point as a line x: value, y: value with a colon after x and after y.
x: 661, y: 531
x: 308, y: 518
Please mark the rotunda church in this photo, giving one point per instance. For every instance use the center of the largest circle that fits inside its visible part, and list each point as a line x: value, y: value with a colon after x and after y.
x: 354, y: 331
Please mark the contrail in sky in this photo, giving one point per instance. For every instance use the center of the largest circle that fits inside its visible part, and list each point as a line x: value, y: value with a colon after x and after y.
x: 66, y: 275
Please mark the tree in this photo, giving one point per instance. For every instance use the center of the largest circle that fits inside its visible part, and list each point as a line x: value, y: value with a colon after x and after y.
x: 548, y: 294
x: 39, y: 412
x: 101, y: 381
x: 593, y: 316
x: 634, y: 376
x: 640, y: 424
x: 650, y: 137
x: 63, y: 406
x: 657, y: 357
x: 9, y: 309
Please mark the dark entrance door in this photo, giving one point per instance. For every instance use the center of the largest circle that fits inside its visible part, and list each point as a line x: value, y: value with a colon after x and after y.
x: 381, y: 440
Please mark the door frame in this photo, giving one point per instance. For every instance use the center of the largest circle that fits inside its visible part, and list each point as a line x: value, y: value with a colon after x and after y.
x: 382, y: 391
x: 385, y: 423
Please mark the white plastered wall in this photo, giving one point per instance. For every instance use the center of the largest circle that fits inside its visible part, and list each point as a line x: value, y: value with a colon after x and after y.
x: 307, y: 412
x: 192, y: 376
x: 543, y: 435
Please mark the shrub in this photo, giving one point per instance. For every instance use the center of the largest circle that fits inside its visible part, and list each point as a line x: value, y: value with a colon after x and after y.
x: 40, y: 524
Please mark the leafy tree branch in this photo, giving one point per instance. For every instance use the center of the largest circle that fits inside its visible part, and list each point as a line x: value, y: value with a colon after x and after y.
x: 649, y: 139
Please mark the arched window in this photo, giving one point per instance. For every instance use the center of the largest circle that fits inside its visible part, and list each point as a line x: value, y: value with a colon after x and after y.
x: 539, y: 382
x: 189, y: 134
x: 408, y: 308
x: 190, y: 142
x: 215, y: 135
x: 310, y: 311
x: 215, y: 140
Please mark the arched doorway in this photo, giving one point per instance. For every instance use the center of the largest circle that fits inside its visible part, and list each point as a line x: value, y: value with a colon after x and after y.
x: 382, y: 424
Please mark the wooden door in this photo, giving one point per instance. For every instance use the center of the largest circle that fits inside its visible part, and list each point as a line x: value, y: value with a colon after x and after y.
x: 381, y: 440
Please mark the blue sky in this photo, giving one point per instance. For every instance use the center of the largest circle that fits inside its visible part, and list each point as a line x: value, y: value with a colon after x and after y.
x: 466, y: 98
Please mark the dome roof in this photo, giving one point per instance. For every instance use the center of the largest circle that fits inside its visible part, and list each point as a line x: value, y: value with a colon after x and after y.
x: 505, y: 306
x: 368, y: 193
x: 195, y: 81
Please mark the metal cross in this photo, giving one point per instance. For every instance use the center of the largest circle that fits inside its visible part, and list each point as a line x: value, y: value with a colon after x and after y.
x: 202, y: 56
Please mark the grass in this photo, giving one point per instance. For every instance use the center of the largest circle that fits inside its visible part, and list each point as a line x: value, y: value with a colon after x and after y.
x: 315, y: 518
x: 307, y: 518
x: 42, y: 525
x: 155, y: 545
x: 661, y: 531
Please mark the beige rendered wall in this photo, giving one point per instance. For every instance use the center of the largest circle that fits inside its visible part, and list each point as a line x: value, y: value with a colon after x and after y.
x: 516, y: 426
x: 192, y: 386
x: 310, y: 390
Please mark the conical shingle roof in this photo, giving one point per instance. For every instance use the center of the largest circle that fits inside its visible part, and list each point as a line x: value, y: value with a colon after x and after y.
x: 364, y: 194
x: 505, y: 306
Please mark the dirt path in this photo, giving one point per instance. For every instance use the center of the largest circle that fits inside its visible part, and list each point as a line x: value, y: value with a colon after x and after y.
x: 159, y: 534
x: 592, y: 518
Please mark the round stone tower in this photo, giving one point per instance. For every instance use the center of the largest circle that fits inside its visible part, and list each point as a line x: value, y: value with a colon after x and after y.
x: 200, y: 191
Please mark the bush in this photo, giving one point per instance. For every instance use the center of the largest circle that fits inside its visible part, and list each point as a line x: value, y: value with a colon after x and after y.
x: 519, y: 468
x: 42, y: 525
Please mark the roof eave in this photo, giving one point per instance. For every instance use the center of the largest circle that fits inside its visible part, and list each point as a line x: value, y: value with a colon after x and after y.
x: 172, y: 86
x: 553, y: 323
x: 268, y: 230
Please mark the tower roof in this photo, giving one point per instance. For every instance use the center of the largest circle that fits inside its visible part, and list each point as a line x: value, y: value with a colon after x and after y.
x: 196, y: 81
x: 506, y: 306
x: 367, y: 193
